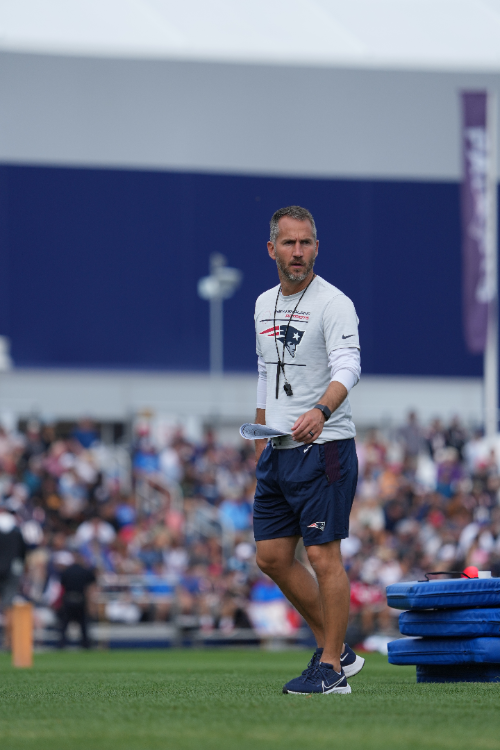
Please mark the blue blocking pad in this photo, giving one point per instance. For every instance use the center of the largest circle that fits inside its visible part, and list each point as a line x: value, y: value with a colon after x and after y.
x: 458, y: 673
x: 454, y: 623
x: 444, y: 651
x: 455, y: 593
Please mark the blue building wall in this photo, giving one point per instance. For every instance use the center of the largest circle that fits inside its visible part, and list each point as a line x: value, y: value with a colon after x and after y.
x: 99, y: 267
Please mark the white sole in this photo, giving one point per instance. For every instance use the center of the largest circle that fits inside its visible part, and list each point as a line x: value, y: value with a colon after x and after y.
x: 354, y: 668
x: 341, y: 691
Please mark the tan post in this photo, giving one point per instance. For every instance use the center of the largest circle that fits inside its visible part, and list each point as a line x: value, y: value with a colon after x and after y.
x: 22, y: 634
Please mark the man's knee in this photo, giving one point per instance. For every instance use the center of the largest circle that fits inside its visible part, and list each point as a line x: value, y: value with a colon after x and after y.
x: 274, y: 560
x: 272, y: 565
x: 326, y: 559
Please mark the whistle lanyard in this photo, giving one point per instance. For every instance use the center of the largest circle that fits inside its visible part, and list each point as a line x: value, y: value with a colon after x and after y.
x: 281, y: 364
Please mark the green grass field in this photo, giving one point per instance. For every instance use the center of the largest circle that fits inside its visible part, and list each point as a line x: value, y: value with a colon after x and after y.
x: 213, y: 700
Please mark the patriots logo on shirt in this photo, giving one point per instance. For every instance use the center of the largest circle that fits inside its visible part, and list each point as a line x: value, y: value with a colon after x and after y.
x: 320, y: 525
x: 293, y: 336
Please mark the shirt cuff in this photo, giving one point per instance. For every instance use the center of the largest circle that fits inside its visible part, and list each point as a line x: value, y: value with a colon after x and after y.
x: 346, y: 377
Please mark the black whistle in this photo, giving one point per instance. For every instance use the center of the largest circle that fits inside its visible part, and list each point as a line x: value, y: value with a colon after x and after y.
x: 288, y: 389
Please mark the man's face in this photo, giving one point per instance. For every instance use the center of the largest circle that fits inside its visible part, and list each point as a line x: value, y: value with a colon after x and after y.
x: 295, y: 249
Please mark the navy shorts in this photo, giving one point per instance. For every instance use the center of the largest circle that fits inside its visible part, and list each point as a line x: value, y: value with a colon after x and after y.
x: 306, y: 491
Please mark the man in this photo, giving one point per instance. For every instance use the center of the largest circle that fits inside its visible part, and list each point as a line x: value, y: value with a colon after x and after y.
x: 12, y: 555
x: 308, y: 360
x: 75, y: 581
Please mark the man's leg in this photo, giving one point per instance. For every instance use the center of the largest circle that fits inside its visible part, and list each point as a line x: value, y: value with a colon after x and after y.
x: 276, y: 558
x: 83, y: 623
x: 7, y: 624
x: 333, y: 583
x: 64, y: 622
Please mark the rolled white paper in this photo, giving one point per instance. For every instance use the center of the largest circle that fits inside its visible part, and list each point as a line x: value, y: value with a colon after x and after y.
x: 259, y: 432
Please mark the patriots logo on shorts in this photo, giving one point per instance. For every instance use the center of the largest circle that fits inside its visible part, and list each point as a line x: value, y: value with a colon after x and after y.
x: 320, y: 525
x: 293, y: 336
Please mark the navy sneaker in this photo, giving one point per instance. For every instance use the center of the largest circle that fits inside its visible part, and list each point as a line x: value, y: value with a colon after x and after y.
x: 321, y: 678
x: 314, y: 661
x: 350, y: 662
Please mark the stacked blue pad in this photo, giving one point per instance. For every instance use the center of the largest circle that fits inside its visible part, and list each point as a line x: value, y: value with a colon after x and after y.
x: 445, y: 651
x: 457, y: 628
x: 454, y: 623
x: 458, y: 593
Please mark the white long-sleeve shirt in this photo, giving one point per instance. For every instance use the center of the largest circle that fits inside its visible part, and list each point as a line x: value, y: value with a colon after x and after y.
x: 345, y: 367
x: 315, y: 334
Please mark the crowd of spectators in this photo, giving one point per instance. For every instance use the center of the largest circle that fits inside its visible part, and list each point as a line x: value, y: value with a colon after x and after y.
x: 167, y: 528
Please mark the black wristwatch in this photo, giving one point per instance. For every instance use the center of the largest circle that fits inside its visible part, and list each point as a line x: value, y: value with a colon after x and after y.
x: 326, y: 411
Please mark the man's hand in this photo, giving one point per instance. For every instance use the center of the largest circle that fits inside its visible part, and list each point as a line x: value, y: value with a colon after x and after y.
x: 309, y: 426
x: 313, y: 420
x: 260, y: 418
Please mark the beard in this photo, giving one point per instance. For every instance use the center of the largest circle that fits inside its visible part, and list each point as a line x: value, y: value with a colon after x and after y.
x: 295, y: 275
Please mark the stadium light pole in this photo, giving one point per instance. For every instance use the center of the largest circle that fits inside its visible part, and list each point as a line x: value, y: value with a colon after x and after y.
x: 220, y: 285
x: 5, y: 360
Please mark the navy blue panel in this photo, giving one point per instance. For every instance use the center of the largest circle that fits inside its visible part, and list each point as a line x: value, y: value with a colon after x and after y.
x: 99, y: 267
x: 458, y: 673
x: 4, y: 257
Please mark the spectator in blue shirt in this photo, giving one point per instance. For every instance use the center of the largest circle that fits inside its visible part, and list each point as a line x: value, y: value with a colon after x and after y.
x: 237, y: 514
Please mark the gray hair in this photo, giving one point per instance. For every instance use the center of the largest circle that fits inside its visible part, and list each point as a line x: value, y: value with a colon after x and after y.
x: 294, y: 212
